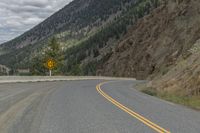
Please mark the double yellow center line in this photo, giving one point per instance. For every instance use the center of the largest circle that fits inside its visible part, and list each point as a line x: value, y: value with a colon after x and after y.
x: 129, y: 111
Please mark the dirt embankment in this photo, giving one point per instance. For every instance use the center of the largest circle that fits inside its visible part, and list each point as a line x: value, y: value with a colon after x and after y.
x: 184, y: 78
x: 153, y: 45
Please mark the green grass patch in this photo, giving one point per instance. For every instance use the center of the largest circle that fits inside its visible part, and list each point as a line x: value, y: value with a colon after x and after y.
x: 189, y: 101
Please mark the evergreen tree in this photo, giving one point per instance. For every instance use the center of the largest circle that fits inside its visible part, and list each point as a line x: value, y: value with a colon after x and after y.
x: 54, y: 52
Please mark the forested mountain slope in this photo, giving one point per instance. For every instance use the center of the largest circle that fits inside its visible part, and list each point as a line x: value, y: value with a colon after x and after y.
x: 73, y: 17
x: 73, y: 23
x: 82, y: 28
x: 157, y: 41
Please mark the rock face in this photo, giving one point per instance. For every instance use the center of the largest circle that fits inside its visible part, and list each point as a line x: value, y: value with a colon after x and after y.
x: 183, y: 78
x: 154, y: 44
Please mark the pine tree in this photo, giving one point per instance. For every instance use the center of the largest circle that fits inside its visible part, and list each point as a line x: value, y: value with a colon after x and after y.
x: 54, y: 52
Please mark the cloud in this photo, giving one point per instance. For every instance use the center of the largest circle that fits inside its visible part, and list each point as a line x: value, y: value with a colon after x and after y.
x: 17, y: 16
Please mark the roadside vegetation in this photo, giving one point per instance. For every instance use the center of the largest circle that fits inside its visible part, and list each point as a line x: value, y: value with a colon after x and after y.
x: 179, y: 97
x: 52, y: 51
x: 180, y: 84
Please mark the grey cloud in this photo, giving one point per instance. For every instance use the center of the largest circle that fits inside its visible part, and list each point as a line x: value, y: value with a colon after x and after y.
x: 17, y: 16
x: 36, y: 3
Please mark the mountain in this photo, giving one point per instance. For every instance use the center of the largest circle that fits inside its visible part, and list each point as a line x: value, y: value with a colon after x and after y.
x: 131, y: 38
x: 156, y: 41
x: 72, y: 24
x: 77, y: 15
x: 82, y: 27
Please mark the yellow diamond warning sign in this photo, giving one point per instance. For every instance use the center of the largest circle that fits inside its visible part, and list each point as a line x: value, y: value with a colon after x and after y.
x: 50, y: 64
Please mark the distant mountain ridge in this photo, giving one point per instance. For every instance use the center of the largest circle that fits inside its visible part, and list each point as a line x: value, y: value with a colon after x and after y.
x: 74, y: 16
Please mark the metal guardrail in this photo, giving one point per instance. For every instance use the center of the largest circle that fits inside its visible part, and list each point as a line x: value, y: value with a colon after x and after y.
x: 15, y: 79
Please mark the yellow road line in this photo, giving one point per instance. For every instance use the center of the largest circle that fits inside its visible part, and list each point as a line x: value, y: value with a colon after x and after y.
x: 130, y: 112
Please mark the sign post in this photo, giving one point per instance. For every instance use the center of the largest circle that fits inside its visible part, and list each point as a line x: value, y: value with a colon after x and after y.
x: 50, y: 73
x: 50, y: 64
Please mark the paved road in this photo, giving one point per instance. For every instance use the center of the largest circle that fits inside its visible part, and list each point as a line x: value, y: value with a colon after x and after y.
x: 81, y: 107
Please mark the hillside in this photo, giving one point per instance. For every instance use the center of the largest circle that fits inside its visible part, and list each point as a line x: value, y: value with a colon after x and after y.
x: 75, y: 22
x: 83, y: 28
x: 155, y: 43
x: 131, y: 38
x: 87, y: 57
x: 77, y: 15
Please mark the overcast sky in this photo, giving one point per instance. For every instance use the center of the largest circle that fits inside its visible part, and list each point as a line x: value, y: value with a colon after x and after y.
x: 17, y: 16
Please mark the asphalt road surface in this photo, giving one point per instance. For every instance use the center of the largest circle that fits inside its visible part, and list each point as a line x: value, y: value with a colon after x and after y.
x: 89, y: 107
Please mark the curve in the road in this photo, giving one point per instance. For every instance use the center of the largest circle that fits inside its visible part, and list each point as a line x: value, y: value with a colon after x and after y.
x: 144, y: 120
